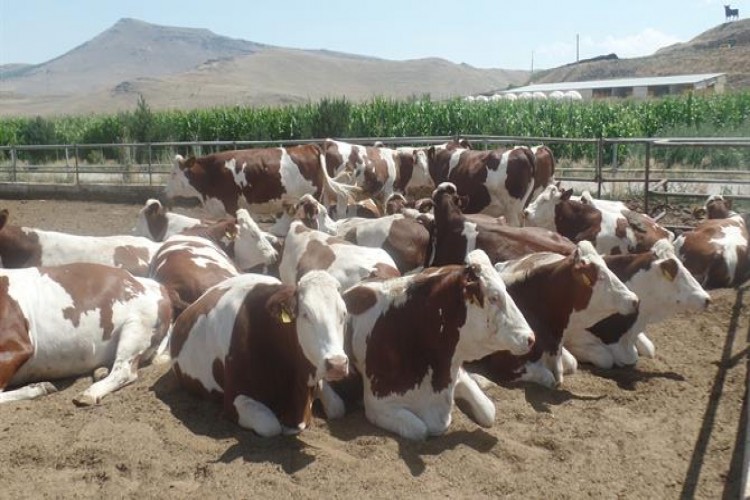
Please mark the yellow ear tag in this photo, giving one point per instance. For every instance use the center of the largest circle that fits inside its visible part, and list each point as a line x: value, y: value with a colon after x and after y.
x: 667, y: 275
x: 586, y: 280
x: 285, y: 318
x: 229, y: 236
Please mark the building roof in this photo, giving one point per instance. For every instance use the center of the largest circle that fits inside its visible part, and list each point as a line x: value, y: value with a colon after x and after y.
x: 618, y: 82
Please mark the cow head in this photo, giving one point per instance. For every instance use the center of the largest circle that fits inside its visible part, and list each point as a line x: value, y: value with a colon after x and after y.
x: 152, y: 215
x: 420, y: 176
x: 596, y: 289
x: 447, y: 191
x: 179, y: 182
x: 320, y: 314
x: 541, y: 211
x: 395, y: 204
x: 314, y: 215
x: 717, y: 207
x: 493, y: 321
x: 251, y: 246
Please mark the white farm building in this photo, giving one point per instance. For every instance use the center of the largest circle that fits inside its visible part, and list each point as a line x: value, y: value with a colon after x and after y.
x: 656, y: 86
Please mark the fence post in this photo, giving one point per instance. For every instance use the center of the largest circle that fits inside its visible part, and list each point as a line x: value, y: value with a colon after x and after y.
x: 75, y: 157
x: 599, y: 161
x: 150, y: 169
x: 14, y: 160
x: 647, y: 175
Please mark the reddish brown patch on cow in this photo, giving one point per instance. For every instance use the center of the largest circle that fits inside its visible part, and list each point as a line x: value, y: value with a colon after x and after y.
x: 94, y: 287
x: 265, y: 361
x: 470, y: 177
x: 520, y: 173
x: 194, y: 386
x: 502, y: 242
x: 317, y: 255
x: 404, y: 170
x: 15, y: 342
x: 627, y: 266
x: 359, y: 299
x: 19, y: 247
x: 718, y: 208
x: 189, y: 317
x: 577, y: 221
x: 621, y: 229
x: 408, y: 243
x: 646, y: 231
x: 611, y: 329
x: 544, y: 168
x: 133, y: 259
x: 156, y: 220
x: 384, y: 271
x: 418, y: 336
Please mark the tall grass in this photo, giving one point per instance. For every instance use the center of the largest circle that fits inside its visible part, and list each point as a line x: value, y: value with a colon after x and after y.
x: 725, y: 114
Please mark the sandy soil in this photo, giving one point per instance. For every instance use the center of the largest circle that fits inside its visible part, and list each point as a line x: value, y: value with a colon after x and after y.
x: 671, y: 427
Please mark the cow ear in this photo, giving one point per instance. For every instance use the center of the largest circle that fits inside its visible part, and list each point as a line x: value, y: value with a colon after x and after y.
x: 282, y: 305
x: 464, y: 143
x: 431, y: 153
x: 153, y: 208
x: 3, y: 217
x: 566, y: 194
x: 581, y: 272
x: 669, y: 269
x: 463, y: 202
x: 187, y: 164
x: 558, y: 184
x: 473, y: 286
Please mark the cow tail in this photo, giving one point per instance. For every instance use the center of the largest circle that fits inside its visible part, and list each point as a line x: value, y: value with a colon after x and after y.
x: 337, y: 191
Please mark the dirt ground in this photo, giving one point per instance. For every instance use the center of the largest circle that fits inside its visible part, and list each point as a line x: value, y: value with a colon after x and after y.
x: 670, y: 427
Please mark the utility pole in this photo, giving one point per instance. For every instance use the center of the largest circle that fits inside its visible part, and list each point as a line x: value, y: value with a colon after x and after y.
x: 577, y: 45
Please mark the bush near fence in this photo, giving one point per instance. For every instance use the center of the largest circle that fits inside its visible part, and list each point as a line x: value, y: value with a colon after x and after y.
x: 713, y: 115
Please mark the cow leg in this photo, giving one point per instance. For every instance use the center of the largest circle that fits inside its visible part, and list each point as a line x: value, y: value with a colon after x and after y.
x: 537, y: 373
x: 570, y: 363
x: 624, y: 353
x: 482, y: 407
x: 135, y: 339
x: 333, y: 405
x: 31, y: 391
x: 256, y: 416
x: 644, y: 346
x: 589, y: 349
x: 399, y: 420
x: 162, y: 352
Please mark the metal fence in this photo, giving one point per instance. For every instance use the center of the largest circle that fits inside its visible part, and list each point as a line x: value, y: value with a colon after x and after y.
x: 149, y: 164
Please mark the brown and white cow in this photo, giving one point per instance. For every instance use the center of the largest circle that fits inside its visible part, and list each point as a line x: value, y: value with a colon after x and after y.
x: 411, y: 335
x: 306, y: 249
x: 497, y: 182
x: 64, y: 321
x: 379, y: 171
x: 544, y: 171
x: 717, y: 207
x: 556, y: 293
x: 612, y: 232
x: 156, y: 223
x: 456, y: 234
x: 261, y: 348
x: 716, y: 252
x: 405, y: 239
x: 259, y: 176
x: 664, y: 287
x: 189, y: 263
x: 29, y: 247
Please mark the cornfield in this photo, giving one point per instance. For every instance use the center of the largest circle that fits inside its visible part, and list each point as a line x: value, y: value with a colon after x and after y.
x: 714, y: 115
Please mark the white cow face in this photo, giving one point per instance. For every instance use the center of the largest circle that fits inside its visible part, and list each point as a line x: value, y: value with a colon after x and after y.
x: 420, y: 176
x: 178, y: 183
x: 251, y: 247
x: 667, y: 287
x: 321, y: 314
x: 315, y: 215
x: 493, y: 321
x: 541, y: 211
x: 608, y: 294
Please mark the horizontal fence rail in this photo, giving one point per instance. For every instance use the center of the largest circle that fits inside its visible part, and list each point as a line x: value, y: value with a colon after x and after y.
x: 147, y: 165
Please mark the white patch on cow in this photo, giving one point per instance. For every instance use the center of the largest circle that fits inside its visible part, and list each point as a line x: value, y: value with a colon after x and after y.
x: 251, y: 247
x: 732, y: 239
x: 291, y: 178
x: 454, y: 159
x: 238, y: 176
x: 203, y: 252
x: 470, y: 233
x: 541, y: 211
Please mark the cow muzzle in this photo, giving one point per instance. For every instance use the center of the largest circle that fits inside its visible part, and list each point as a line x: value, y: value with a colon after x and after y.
x: 337, y: 367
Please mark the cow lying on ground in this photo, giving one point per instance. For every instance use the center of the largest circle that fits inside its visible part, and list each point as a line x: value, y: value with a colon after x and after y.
x: 189, y: 263
x: 306, y: 249
x: 555, y: 293
x: 260, y: 176
x: 457, y: 234
x: 664, y: 288
x: 611, y: 232
x: 28, y: 247
x: 410, y: 336
x: 717, y: 207
x: 64, y: 321
x: 716, y: 252
x: 497, y: 182
x: 261, y: 348
x: 310, y: 211
x: 156, y: 223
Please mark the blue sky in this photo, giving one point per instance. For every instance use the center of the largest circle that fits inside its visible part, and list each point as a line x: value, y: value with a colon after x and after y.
x: 482, y: 33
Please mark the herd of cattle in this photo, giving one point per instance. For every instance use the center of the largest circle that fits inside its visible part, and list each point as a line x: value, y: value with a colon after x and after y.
x: 357, y: 284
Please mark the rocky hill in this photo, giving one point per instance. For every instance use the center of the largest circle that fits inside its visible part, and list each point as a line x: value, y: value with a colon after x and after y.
x: 187, y: 68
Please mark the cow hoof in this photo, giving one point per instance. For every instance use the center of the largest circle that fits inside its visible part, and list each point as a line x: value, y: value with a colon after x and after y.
x: 85, y: 400
x: 47, y: 387
x: 100, y: 373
